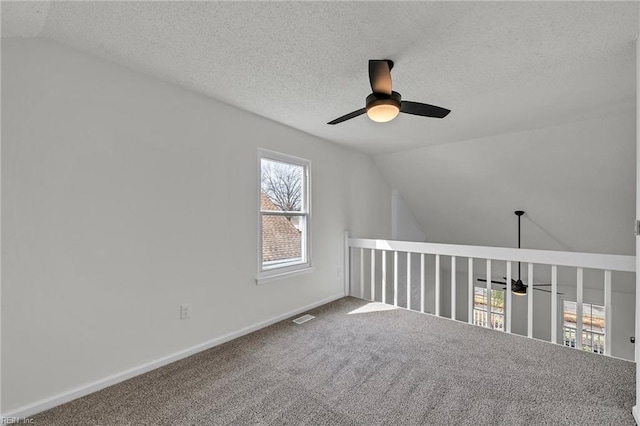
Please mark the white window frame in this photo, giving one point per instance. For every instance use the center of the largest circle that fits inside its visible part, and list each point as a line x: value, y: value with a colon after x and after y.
x: 276, y: 272
x: 503, y: 314
x: 575, y: 330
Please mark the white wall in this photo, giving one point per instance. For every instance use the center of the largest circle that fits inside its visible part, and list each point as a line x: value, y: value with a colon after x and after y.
x: 123, y: 197
x: 404, y: 226
x: 575, y: 181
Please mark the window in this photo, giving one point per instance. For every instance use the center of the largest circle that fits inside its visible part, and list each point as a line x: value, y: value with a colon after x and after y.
x: 480, y: 308
x: 284, y: 200
x: 593, y: 338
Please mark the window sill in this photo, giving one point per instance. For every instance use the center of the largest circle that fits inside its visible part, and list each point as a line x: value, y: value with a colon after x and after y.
x: 276, y: 276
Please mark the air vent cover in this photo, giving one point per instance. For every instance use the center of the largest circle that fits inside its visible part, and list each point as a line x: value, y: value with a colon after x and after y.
x: 303, y: 319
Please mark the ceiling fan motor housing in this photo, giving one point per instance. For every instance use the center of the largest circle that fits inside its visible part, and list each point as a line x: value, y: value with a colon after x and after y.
x: 376, y: 99
x: 518, y: 287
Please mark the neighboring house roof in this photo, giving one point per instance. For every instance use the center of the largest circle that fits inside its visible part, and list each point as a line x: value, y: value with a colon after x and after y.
x: 280, y: 238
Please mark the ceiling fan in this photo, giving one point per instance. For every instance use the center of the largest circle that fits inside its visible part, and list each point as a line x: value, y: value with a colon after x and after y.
x: 384, y: 104
x: 517, y: 286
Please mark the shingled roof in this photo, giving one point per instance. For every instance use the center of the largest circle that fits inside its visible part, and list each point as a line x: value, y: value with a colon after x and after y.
x: 280, y: 238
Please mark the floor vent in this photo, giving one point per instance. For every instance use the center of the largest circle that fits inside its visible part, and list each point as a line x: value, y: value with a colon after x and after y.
x: 303, y: 319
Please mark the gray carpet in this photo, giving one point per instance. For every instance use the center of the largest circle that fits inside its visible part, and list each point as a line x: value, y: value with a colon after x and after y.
x: 391, y: 367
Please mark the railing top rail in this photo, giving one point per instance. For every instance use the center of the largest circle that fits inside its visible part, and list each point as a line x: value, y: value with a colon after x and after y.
x: 609, y: 262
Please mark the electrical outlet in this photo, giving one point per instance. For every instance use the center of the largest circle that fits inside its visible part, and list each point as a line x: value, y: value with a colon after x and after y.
x: 185, y: 311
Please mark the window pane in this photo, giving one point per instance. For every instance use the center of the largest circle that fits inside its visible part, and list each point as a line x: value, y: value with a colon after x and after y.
x: 569, y: 313
x: 586, y: 341
x: 480, y: 318
x: 593, y: 322
x: 282, y: 186
x: 497, y: 301
x: 497, y: 321
x: 586, y: 316
x: 569, y: 337
x: 480, y: 298
x: 598, y: 343
x: 596, y: 321
x: 282, y: 240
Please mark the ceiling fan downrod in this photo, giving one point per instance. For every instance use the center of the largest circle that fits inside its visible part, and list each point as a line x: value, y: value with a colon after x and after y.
x: 518, y: 287
x: 519, y: 213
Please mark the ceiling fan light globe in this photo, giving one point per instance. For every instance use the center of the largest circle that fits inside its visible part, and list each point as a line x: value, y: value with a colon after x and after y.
x: 383, y: 112
x: 382, y: 107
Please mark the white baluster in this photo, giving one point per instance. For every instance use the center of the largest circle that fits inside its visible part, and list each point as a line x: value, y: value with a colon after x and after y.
x: 579, y: 302
x: 508, y: 299
x: 608, y: 325
x: 471, y: 293
x: 453, y: 287
x: 373, y: 275
x: 384, y: 276
x: 408, y: 280
x: 362, y: 273
x: 554, y: 304
x: 488, y: 305
x: 395, y: 278
x: 437, y: 295
x: 530, y: 300
x: 422, y: 282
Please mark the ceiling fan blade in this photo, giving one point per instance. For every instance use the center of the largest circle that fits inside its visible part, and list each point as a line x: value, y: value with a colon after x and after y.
x: 424, y: 110
x: 380, y: 75
x: 348, y: 116
x: 494, y: 282
x: 547, y: 291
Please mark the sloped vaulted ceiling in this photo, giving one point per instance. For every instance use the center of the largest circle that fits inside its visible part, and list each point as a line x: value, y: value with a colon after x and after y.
x: 500, y: 66
x: 542, y: 94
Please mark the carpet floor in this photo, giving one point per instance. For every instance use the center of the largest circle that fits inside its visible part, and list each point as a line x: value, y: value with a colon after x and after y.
x: 363, y: 363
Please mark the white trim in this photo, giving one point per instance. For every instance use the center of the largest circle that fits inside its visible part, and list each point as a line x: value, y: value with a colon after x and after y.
x: 80, y: 391
x: 636, y: 414
x: 282, y: 263
x: 280, y: 275
x: 545, y: 257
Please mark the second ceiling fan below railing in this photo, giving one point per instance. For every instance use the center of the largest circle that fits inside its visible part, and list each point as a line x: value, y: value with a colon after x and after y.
x: 517, y: 286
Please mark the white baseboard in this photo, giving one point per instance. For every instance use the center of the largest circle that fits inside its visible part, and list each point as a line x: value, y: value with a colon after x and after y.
x: 636, y: 414
x: 45, y: 404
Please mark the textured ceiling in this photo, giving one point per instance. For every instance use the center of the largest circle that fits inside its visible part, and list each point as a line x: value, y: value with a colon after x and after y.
x: 501, y: 67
